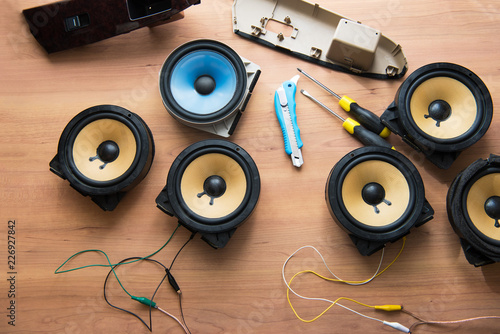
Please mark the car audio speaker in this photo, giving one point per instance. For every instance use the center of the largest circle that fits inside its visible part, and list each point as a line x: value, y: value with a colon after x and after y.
x: 103, y: 152
x: 376, y: 195
x: 473, y: 205
x: 207, y: 85
x: 440, y: 110
x: 212, y: 188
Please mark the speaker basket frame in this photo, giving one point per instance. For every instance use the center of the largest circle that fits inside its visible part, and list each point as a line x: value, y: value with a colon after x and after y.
x: 215, y: 231
x: 441, y: 152
x: 222, y: 122
x: 479, y: 250
x: 369, y: 240
x: 106, y: 194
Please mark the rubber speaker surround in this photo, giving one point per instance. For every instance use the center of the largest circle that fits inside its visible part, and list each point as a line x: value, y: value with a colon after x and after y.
x: 459, y: 111
x: 466, y: 205
x: 398, y: 175
x: 84, y: 134
x: 241, y: 179
x: 204, y: 83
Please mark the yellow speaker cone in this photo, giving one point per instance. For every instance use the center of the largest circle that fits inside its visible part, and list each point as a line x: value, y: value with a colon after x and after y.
x: 443, y: 93
x: 480, y: 192
x: 395, y: 200
x: 201, y: 169
x: 87, y: 142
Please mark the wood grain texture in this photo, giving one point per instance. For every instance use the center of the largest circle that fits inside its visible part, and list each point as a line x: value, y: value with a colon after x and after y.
x: 237, y: 289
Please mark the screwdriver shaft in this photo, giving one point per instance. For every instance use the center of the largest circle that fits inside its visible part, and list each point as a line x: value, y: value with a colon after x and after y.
x: 321, y: 104
x: 320, y: 84
x: 365, y: 117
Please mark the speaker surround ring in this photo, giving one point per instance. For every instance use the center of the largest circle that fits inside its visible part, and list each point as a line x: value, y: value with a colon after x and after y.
x: 76, y: 129
x: 465, y: 77
x: 369, y: 238
x: 345, y: 166
x: 213, y: 105
x: 443, y: 138
x: 96, y: 124
x: 215, y: 230
x: 190, y: 48
x: 481, y: 244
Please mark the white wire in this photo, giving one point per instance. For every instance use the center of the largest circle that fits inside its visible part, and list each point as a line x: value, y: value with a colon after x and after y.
x: 343, y: 281
x: 173, y: 317
x: 328, y: 268
x: 361, y: 314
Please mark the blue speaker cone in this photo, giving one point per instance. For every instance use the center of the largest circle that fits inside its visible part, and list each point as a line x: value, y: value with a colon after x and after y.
x: 206, y: 85
x: 203, y: 82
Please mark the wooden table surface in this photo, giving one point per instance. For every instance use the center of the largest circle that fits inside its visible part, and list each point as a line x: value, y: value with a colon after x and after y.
x: 237, y: 289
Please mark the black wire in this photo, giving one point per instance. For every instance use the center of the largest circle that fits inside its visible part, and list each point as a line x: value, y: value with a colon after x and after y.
x: 167, y: 274
x: 150, y: 326
x: 180, y: 294
x: 176, y: 255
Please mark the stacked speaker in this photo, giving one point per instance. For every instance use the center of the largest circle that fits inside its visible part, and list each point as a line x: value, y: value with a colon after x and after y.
x: 473, y: 205
x: 206, y: 85
x: 212, y: 188
x: 376, y: 195
x: 440, y: 110
x: 103, y: 152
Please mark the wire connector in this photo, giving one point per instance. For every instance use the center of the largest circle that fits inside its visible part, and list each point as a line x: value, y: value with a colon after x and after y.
x: 398, y: 326
x: 145, y: 301
x: 389, y: 308
x: 172, y: 282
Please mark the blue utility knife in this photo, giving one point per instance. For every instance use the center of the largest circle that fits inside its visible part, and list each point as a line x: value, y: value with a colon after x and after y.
x: 284, y: 104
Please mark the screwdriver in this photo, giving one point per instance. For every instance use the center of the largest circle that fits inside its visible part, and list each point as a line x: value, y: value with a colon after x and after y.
x: 354, y: 128
x: 368, y: 119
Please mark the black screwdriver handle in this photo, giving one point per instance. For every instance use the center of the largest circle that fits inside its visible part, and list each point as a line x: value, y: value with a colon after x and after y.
x: 364, y: 116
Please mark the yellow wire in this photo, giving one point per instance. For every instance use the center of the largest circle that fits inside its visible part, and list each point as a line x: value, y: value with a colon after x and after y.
x: 337, y: 280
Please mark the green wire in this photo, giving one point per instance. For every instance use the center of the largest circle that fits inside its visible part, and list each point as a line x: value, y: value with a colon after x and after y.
x: 109, y: 265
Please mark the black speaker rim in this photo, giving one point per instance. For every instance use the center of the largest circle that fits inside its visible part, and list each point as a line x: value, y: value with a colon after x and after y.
x: 459, y: 77
x: 470, y: 80
x: 466, y: 190
x: 196, y: 222
x: 76, y: 130
x: 134, y: 174
x: 205, y: 44
x: 456, y: 210
x: 389, y: 232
